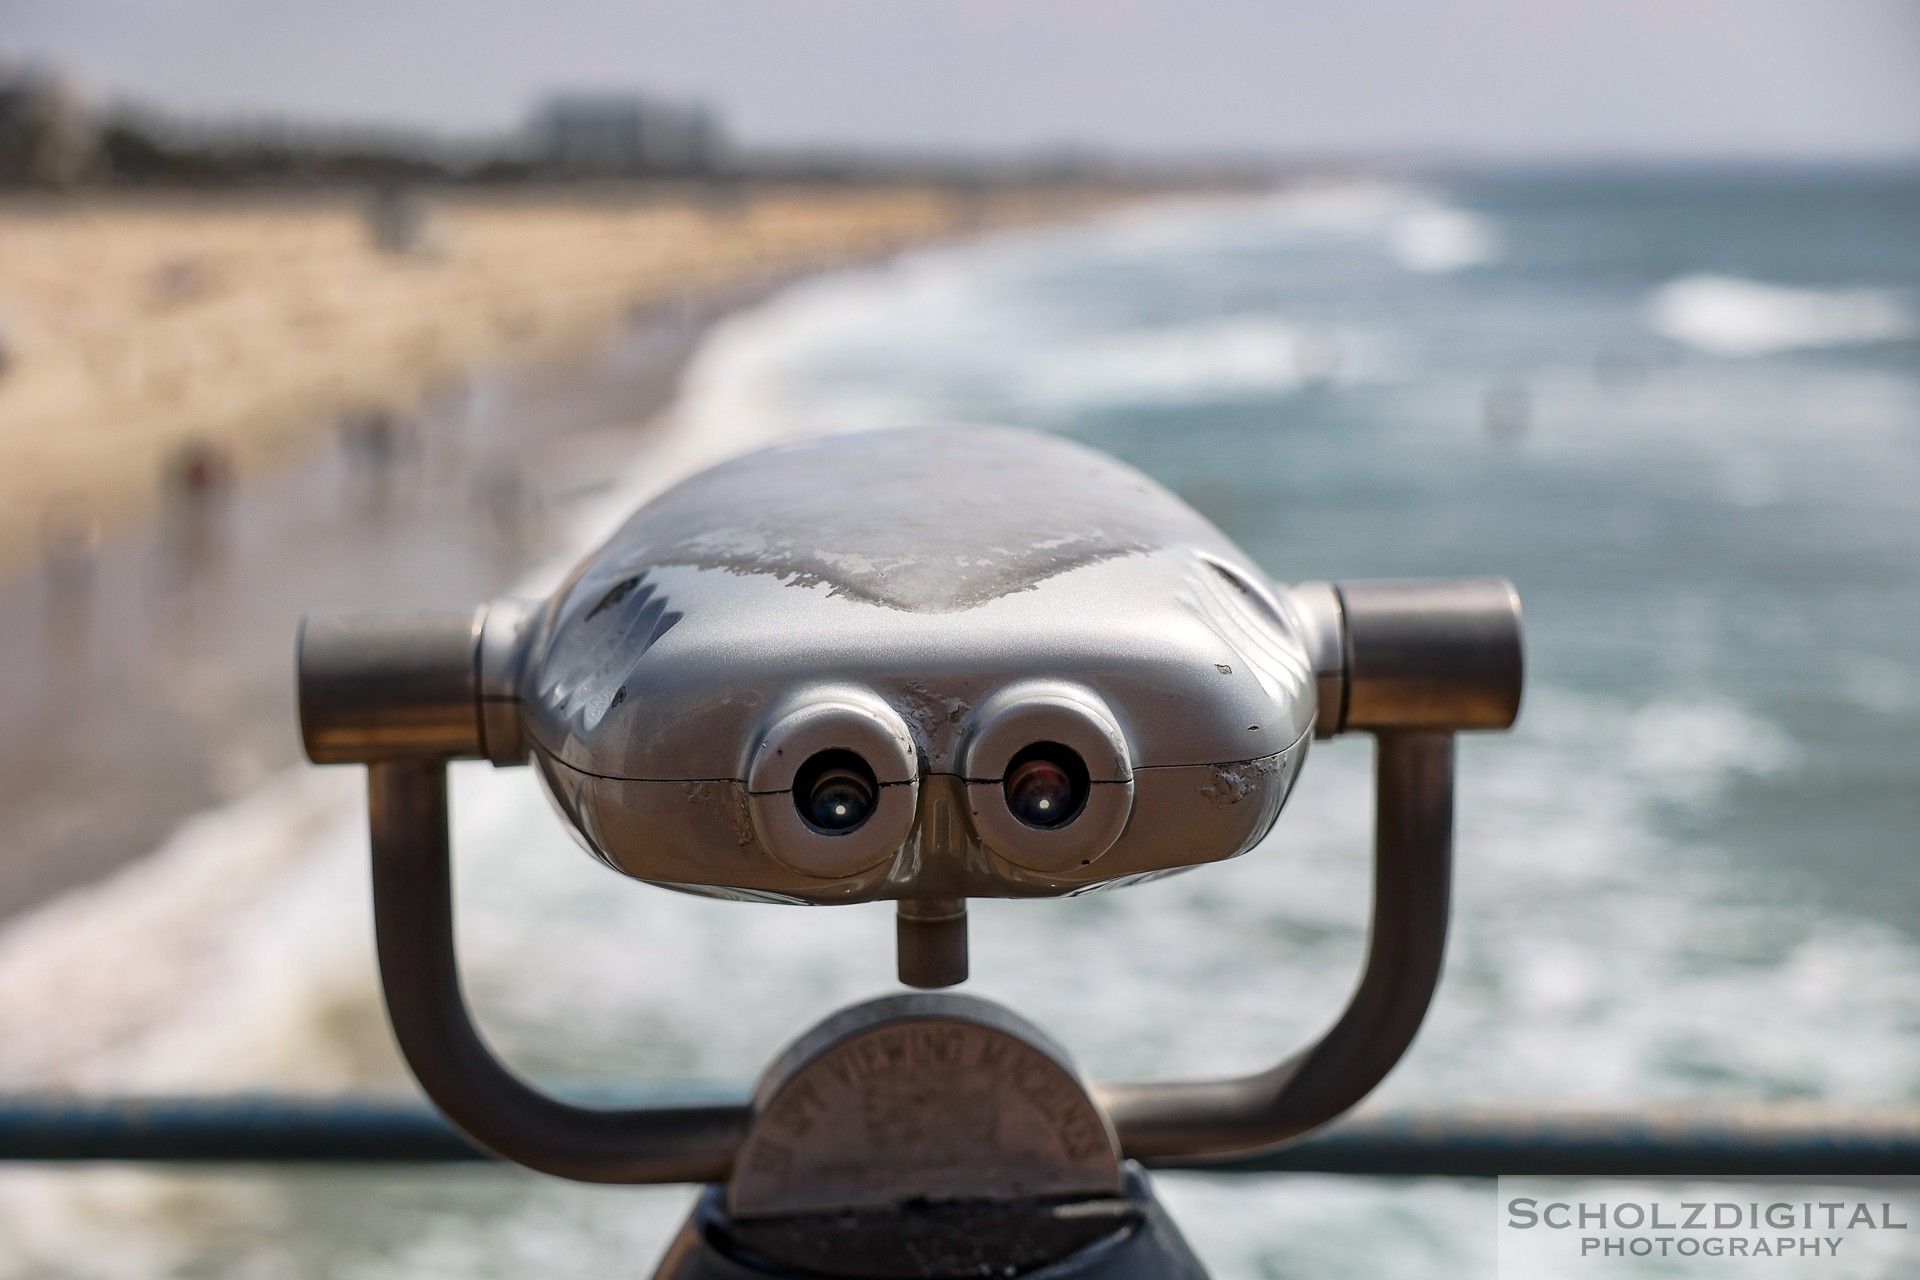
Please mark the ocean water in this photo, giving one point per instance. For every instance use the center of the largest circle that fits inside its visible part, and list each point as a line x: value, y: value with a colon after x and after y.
x: 1682, y: 413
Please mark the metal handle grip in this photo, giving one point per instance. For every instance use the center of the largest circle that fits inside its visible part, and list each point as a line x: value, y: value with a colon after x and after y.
x: 1413, y: 854
x: 413, y: 686
x: 1441, y: 653
x: 389, y: 686
x: 1430, y: 653
x: 413, y: 929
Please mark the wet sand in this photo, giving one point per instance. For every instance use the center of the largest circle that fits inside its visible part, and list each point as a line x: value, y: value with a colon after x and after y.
x: 161, y: 684
x: 152, y: 678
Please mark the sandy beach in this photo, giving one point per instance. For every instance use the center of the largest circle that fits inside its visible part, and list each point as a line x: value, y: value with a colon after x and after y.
x: 134, y: 326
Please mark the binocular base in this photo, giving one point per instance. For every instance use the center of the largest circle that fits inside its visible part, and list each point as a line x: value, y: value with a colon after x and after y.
x: 1124, y: 1237
x: 928, y: 1135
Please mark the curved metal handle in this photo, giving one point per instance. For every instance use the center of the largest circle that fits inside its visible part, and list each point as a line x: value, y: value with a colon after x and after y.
x: 413, y: 928
x: 1413, y: 855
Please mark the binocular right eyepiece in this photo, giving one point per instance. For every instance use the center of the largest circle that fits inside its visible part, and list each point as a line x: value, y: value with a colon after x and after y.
x: 920, y: 666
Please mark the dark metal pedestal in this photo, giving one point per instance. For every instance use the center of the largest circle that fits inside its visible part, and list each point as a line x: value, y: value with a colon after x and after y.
x: 1124, y: 1237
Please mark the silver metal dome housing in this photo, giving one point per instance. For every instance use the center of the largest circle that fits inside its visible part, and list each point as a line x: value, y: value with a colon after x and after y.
x: 935, y: 601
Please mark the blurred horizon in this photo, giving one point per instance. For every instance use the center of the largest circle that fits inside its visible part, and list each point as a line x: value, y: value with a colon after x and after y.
x: 1491, y: 82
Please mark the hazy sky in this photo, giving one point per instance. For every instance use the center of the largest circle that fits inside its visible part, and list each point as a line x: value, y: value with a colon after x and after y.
x: 1492, y: 78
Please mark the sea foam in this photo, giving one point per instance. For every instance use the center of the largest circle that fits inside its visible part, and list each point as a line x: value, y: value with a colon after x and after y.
x: 1728, y: 316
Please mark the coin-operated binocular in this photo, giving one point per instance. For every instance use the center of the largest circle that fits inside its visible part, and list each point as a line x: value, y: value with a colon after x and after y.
x: 920, y: 666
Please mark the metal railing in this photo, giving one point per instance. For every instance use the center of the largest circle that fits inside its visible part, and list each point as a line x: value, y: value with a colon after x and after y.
x: 369, y: 1130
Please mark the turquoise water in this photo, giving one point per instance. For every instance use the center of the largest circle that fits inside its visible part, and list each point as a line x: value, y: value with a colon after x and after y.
x: 1682, y: 413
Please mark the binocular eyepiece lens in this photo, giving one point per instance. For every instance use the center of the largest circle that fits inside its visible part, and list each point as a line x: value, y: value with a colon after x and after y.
x: 835, y: 792
x: 1046, y: 785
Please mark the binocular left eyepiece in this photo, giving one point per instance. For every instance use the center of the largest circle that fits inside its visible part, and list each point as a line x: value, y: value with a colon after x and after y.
x: 832, y: 782
x: 835, y: 792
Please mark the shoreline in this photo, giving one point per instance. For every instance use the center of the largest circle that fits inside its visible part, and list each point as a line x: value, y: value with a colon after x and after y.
x: 161, y: 686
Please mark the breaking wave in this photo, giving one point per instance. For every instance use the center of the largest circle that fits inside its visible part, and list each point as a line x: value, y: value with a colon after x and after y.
x: 1436, y: 239
x: 1413, y: 227
x: 1727, y: 316
x: 1253, y: 357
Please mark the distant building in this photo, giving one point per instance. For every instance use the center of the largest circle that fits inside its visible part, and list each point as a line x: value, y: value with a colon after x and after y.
x: 48, y: 137
x: 624, y: 135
